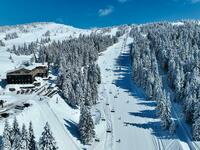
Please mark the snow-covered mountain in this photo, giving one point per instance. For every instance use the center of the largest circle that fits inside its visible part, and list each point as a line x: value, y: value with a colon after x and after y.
x: 141, y: 75
x: 32, y: 32
x: 36, y: 31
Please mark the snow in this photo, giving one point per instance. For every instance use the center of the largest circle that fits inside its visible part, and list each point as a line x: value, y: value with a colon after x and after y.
x: 34, y: 65
x: 183, y: 130
x: 177, y: 23
x: 114, y: 64
x: 57, y: 31
x: 33, y: 32
x: 43, y: 109
x: 133, y: 121
x: 106, y: 31
x: 30, y: 67
x: 62, y: 118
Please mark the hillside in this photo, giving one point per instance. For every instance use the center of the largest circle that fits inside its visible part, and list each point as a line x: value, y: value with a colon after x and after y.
x: 139, y: 82
x: 62, y: 118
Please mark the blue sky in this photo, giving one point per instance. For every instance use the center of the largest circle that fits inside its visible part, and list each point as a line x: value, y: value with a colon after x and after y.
x: 96, y: 13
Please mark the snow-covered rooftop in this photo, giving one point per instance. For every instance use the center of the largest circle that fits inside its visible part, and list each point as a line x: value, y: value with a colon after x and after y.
x: 31, y: 67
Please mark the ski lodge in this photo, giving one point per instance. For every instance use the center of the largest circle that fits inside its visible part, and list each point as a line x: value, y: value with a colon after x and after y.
x: 26, y: 75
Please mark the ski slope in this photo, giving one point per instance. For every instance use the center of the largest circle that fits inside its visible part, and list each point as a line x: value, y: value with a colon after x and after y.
x: 133, y: 124
x: 122, y: 109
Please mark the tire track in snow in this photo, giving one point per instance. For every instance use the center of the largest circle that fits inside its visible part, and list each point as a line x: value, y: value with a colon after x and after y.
x: 109, y: 138
x: 108, y: 141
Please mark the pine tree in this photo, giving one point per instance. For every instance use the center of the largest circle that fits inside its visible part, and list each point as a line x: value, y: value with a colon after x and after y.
x: 196, y: 129
x: 86, y: 126
x: 166, y: 113
x: 7, y: 137
x: 2, y: 43
x: 32, y: 143
x: 47, y: 141
x: 172, y: 127
x: 24, y: 138
x: 160, y: 98
x: 16, y: 135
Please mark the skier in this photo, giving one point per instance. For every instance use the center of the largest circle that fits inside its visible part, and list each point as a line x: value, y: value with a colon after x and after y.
x: 1, y: 103
x: 56, y: 100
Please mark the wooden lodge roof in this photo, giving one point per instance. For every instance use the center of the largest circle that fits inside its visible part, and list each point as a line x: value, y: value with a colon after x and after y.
x: 19, y: 71
x: 28, y: 71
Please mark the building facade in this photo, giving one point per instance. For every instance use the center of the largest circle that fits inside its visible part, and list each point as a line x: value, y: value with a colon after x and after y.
x: 26, y: 76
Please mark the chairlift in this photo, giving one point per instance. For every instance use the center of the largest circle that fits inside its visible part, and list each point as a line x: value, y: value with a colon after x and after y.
x: 108, y: 131
x: 113, y: 110
x: 97, y: 140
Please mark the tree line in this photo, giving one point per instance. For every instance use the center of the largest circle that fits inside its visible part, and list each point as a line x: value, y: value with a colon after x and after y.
x: 166, y: 55
x: 16, y: 139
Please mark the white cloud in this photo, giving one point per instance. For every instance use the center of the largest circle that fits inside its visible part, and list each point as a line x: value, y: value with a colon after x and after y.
x: 106, y: 11
x: 122, y: 1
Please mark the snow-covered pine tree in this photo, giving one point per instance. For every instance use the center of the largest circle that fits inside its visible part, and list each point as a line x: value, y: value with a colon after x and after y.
x: 10, y: 36
x: 32, y: 143
x: 160, y: 98
x: 15, y: 136
x: 47, y: 33
x: 24, y: 138
x: 7, y: 137
x: 179, y: 82
x: 86, y: 125
x: 47, y: 141
x: 166, y: 112
x: 172, y: 127
x: 2, y: 43
x: 196, y: 122
x: 196, y: 129
x: 174, y: 52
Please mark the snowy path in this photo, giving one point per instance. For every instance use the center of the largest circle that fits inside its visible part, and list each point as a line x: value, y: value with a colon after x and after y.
x: 60, y: 133
x: 133, y: 123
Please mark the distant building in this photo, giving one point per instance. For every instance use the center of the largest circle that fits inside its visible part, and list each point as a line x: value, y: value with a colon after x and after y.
x: 26, y: 75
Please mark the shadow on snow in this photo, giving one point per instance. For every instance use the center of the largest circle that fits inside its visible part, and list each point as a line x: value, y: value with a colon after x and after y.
x: 125, y: 82
x: 1, y: 142
x: 72, y: 128
x: 145, y: 114
x: 148, y: 103
x: 156, y: 129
